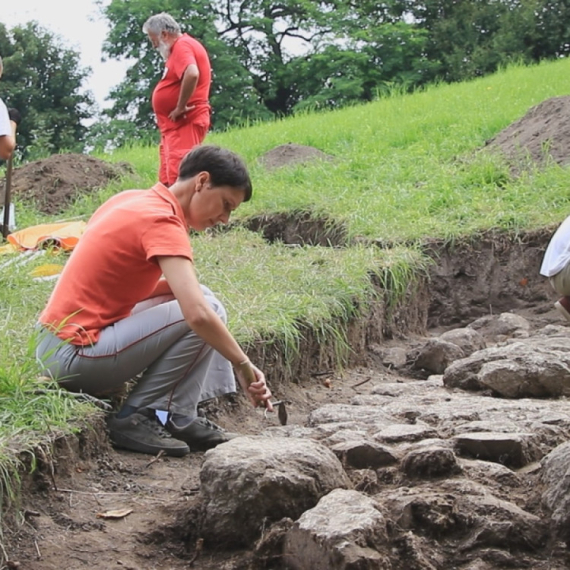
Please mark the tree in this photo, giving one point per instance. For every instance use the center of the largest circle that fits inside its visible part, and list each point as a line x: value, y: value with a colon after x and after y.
x: 43, y: 80
x: 247, y: 43
x: 470, y: 39
x: 272, y: 59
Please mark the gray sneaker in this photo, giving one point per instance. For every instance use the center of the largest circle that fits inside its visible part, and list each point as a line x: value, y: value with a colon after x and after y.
x: 143, y: 433
x: 200, y: 434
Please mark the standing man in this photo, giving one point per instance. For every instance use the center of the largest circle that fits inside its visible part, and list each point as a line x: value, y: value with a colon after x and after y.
x: 9, y: 119
x: 180, y: 99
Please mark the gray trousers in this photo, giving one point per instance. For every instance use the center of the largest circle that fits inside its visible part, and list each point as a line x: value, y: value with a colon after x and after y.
x: 561, y: 281
x: 178, y: 369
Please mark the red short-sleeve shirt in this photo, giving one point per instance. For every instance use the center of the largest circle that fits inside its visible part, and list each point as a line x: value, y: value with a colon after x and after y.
x: 185, y: 51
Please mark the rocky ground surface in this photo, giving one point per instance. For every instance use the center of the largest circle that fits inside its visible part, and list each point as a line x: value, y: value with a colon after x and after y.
x: 444, y: 446
x: 447, y: 451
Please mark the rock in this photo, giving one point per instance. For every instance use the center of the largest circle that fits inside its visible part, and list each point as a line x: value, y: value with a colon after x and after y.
x: 547, y: 360
x: 512, y: 449
x: 364, y: 454
x: 556, y: 496
x: 530, y: 376
x: 343, y: 436
x: 494, y: 327
x: 249, y: 482
x: 394, y: 357
x: 464, y: 512
x: 345, y: 531
x: 430, y: 462
x: 467, y: 339
x: 503, y: 426
x: 436, y: 355
x: 398, y: 433
x: 485, y: 472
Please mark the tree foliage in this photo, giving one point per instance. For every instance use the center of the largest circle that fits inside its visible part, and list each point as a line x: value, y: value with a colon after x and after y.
x: 43, y: 80
x: 272, y: 59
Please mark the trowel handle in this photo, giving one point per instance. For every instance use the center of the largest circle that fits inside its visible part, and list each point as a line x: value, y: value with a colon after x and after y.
x: 245, y: 369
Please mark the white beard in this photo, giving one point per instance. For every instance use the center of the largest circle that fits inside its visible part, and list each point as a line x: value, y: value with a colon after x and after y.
x: 163, y: 50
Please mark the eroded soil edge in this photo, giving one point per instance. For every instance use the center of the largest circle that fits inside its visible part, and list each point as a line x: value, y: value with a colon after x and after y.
x: 59, y: 522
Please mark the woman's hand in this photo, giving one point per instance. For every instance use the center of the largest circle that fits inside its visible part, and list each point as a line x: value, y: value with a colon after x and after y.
x: 252, y: 381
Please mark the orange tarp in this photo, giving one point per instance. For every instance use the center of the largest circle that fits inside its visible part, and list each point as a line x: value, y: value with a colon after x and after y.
x: 64, y: 235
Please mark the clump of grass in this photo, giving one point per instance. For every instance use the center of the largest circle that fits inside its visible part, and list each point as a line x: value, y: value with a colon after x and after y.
x: 272, y: 292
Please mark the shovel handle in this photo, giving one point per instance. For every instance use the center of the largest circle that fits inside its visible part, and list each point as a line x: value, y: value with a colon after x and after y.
x: 7, y: 197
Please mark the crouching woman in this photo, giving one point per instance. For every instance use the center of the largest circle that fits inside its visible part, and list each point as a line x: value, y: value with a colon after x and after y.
x: 128, y: 304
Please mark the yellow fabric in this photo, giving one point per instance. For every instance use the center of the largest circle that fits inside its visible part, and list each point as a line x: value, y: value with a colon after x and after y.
x: 8, y: 248
x: 47, y: 270
x: 64, y: 235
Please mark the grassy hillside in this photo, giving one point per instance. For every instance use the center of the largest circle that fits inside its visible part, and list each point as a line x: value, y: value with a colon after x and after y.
x: 405, y: 168
x: 408, y: 166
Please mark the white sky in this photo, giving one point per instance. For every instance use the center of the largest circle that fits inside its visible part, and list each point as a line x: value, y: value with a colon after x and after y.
x: 80, y: 27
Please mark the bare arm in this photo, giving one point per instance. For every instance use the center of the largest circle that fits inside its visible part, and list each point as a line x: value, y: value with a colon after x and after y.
x: 203, y: 320
x: 187, y: 87
x: 8, y: 143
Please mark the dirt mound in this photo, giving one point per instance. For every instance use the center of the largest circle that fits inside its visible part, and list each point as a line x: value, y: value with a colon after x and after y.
x: 53, y: 183
x: 542, y: 134
x: 287, y: 154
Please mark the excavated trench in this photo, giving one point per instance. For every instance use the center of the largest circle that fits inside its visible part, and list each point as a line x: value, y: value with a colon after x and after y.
x: 482, y: 274
x: 78, y: 477
x: 486, y: 274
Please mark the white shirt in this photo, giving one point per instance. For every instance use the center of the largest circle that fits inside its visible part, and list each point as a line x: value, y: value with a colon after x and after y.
x: 557, y: 254
x: 5, y: 127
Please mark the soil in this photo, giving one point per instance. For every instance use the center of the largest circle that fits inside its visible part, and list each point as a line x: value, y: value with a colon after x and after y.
x: 53, y: 183
x: 541, y: 135
x: 90, y: 506
x: 290, y: 153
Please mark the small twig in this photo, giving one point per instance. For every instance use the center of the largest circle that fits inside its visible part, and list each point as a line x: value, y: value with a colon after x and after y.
x: 199, y: 545
x: 155, y: 459
x: 49, y: 465
x: 360, y: 383
x: 316, y: 374
x: 4, y: 552
x: 90, y: 492
x: 38, y: 549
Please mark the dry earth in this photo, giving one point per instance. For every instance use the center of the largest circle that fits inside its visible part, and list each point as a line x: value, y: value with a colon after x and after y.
x: 90, y: 506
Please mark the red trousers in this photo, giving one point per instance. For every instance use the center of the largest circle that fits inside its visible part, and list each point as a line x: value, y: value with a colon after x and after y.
x: 174, y: 144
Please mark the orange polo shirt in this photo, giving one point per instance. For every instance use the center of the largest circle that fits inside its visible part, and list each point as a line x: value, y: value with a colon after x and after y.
x: 114, y: 267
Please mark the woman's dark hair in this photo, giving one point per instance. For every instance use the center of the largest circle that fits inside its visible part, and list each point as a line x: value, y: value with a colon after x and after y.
x: 225, y: 167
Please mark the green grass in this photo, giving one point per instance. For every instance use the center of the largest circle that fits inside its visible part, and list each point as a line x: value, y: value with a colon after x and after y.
x: 405, y: 168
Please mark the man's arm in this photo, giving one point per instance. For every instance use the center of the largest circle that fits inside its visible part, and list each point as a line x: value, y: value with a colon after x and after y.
x: 187, y: 87
x: 8, y: 142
